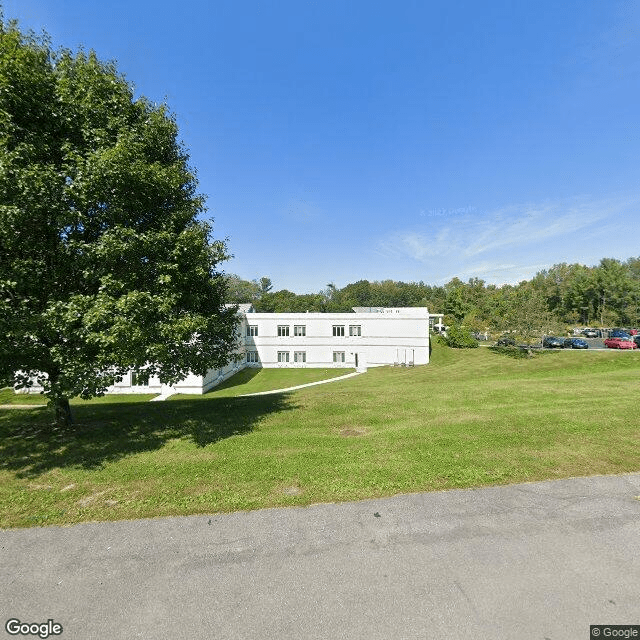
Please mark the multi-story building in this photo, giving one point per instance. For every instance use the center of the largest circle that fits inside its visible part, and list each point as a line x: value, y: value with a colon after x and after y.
x: 368, y: 337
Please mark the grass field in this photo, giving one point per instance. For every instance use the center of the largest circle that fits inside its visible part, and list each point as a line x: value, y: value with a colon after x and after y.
x: 258, y: 380
x: 246, y: 381
x: 470, y: 418
x: 7, y: 396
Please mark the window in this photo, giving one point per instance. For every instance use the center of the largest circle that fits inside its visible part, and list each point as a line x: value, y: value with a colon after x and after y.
x: 355, y: 330
x: 283, y: 329
x: 252, y: 356
x: 140, y: 379
x: 338, y: 329
x: 299, y: 356
x: 252, y: 330
x: 299, y: 330
x: 338, y: 356
x: 283, y: 356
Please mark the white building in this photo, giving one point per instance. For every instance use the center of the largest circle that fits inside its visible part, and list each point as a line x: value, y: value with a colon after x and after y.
x: 358, y: 340
x: 369, y: 337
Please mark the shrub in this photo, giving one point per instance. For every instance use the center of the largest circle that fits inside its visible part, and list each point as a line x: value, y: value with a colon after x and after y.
x: 459, y: 337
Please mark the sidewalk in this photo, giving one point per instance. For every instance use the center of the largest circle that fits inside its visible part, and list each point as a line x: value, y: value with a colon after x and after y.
x: 301, y: 386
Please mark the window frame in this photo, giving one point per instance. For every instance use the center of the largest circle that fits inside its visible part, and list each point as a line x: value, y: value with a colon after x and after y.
x: 140, y: 379
x: 297, y: 328
x: 283, y: 356
x: 339, y: 353
x: 252, y: 330
x: 304, y: 356
x: 252, y: 357
x: 352, y: 328
x: 283, y: 330
x: 338, y: 331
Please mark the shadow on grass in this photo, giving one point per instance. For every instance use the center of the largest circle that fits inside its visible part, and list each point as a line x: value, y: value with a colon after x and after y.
x: 31, y: 445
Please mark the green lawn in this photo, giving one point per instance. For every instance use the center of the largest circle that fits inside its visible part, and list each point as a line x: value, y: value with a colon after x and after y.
x: 7, y: 396
x: 257, y: 380
x: 470, y: 418
x: 245, y: 381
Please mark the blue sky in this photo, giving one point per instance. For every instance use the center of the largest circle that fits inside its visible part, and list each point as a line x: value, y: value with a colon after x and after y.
x: 340, y: 140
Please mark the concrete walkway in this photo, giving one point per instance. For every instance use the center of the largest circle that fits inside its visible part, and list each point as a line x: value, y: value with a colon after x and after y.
x: 536, y: 561
x: 301, y: 386
x: 22, y: 406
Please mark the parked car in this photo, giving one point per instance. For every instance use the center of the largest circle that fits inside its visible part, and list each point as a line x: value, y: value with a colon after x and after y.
x: 575, y: 343
x: 551, y: 342
x: 589, y: 333
x: 619, y: 333
x: 506, y: 342
x: 620, y: 343
x: 633, y: 332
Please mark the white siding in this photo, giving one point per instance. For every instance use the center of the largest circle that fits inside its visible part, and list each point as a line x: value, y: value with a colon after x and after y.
x: 387, y: 337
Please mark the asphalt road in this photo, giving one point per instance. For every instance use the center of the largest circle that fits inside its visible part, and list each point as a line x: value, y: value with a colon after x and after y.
x: 534, y: 561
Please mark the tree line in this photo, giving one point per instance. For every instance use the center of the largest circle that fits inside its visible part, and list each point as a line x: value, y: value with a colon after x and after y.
x: 604, y: 295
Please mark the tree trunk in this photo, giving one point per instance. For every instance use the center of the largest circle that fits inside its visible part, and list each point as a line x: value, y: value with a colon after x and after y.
x: 63, y: 412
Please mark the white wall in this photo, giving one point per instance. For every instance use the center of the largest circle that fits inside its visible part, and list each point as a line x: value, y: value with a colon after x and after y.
x: 388, y: 336
x: 392, y: 336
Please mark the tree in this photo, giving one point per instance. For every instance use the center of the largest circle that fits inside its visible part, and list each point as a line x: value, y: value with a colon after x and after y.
x: 104, y: 264
x: 456, y: 306
x: 288, y: 302
x: 460, y: 337
x: 613, y: 288
x: 528, y: 314
x: 265, y: 285
x: 239, y: 290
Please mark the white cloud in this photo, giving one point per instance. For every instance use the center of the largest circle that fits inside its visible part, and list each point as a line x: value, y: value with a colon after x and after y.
x: 534, y: 224
x: 514, y: 242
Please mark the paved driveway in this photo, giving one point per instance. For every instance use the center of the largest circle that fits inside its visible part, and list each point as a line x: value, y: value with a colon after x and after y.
x: 533, y: 561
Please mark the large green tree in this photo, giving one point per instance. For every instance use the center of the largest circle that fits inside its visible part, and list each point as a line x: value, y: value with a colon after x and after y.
x: 104, y: 262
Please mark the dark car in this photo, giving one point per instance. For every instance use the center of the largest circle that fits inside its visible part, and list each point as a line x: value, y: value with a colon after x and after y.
x: 575, y: 343
x: 506, y: 342
x: 636, y: 339
x: 620, y: 333
x: 551, y: 342
x: 589, y: 333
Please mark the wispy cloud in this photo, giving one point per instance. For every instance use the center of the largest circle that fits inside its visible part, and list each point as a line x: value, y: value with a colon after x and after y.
x: 516, y: 226
x: 512, y: 243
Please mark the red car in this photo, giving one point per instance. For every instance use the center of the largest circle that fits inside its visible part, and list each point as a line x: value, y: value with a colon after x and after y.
x: 620, y: 343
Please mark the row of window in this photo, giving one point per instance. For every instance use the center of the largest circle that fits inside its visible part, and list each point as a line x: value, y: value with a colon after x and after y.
x: 298, y: 356
x: 301, y: 330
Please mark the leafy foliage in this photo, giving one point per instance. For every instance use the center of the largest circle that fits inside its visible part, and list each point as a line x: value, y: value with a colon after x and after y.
x: 607, y: 294
x: 104, y: 264
x: 459, y: 337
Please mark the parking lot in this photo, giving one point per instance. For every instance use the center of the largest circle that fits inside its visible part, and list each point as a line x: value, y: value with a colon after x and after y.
x: 594, y: 344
